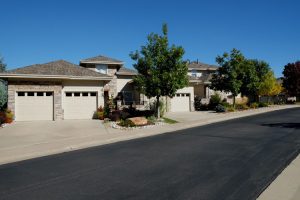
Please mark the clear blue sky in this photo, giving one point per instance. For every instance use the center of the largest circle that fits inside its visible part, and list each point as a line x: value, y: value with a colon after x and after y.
x: 41, y: 31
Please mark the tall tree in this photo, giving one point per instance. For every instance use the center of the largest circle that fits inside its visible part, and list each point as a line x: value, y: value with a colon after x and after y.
x: 291, y: 79
x: 161, y: 69
x: 227, y: 78
x: 249, y: 78
x: 2, y: 65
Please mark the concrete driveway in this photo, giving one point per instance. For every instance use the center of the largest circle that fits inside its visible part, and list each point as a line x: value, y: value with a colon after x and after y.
x: 40, y: 136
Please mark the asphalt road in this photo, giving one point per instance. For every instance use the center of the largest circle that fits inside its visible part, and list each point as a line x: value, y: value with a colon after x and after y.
x: 236, y: 160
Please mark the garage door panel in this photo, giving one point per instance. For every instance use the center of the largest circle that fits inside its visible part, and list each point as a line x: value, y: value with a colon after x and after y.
x: 31, y: 108
x: 180, y: 102
x: 79, y: 107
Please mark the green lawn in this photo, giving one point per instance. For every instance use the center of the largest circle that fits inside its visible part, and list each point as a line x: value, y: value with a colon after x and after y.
x: 170, y: 121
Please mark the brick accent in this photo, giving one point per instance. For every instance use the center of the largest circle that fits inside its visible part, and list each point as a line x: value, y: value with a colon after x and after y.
x: 55, y: 87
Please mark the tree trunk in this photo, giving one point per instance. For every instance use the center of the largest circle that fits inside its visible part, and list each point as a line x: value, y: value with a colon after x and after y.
x: 157, y: 107
x: 234, y: 101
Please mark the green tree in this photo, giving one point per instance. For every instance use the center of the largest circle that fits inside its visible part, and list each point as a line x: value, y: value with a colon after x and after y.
x: 291, y: 79
x: 2, y: 65
x: 3, y: 85
x: 161, y: 70
x: 227, y: 77
x: 3, y: 94
x: 249, y: 78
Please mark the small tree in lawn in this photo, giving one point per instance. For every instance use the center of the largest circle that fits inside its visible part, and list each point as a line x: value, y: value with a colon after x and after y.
x: 161, y: 70
x: 291, y: 79
x: 227, y: 78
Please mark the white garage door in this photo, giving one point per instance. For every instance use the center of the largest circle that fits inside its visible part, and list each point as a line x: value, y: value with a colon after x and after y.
x: 79, y: 105
x: 180, y: 102
x: 31, y: 106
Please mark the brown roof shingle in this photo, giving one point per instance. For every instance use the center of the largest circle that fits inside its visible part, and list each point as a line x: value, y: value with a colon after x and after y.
x: 59, y: 68
x: 198, y: 65
x: 101, y: 59
x: 126, y: 71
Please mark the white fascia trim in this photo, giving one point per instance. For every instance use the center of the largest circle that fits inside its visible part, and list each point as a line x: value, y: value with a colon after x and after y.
x: 37, y: 76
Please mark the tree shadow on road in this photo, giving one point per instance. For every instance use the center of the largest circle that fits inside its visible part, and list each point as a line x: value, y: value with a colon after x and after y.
x: 284, y: 125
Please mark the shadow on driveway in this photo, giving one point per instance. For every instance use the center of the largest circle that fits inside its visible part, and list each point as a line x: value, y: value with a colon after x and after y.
x: 284, y: 125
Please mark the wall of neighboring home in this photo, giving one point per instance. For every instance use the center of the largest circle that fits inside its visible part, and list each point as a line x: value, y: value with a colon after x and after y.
x: 199, y: 90
x: 31, y: 85
x: 84, y: 86
x: 188, y: 90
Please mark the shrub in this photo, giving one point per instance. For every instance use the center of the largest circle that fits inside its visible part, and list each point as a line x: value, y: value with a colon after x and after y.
x: 262, y: 104
x: 214, y: 101
x: 225, y: 104
x: 151, y: 119
x: 115, y: 115
x: 124, y: 115
x: 220, y: 108
x: 241, y: 106
x: 9, y: 116
x: 126, y: 123
x: 204, y: 107
x: 230, y: 108
x: 197, y: 103
x: 106, y: 111
x: 99, y: 114
x: 254, y: 105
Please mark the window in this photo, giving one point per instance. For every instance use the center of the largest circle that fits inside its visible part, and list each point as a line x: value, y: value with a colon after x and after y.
x: 127, y: 97
x: 101, y: 69
x: 93, y: 94
x: 76, y: 94
x: 21, y: 94
x: 40, y: 94
x: 194, y: 73
x: 68, y: 94
x: 177, y: 95
x: 48, y: 94
x: 30, y: 94
x: 85, y: 94
x: 187, y: 95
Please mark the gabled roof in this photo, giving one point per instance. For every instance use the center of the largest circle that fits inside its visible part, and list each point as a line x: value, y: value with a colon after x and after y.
x: 126, y: 71
x: 59, y: 68
x: 102, y: 60
x: 201, y: 66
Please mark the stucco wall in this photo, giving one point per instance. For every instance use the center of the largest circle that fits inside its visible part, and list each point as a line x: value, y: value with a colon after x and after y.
x: 122, y: 84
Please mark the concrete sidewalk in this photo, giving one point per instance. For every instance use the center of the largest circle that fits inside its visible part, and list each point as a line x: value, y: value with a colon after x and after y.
x: 286, y: 186
x: 109, y: 135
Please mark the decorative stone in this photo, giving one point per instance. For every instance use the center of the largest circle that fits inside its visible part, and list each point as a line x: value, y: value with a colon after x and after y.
x: 138, y: 121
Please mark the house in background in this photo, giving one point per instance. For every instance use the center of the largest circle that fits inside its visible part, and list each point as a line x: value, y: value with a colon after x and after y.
x: 61, y: 90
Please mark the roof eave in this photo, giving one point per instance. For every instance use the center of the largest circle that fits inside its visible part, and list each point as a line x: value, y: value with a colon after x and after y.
x: 101, y: 62
x: 38, y: 76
